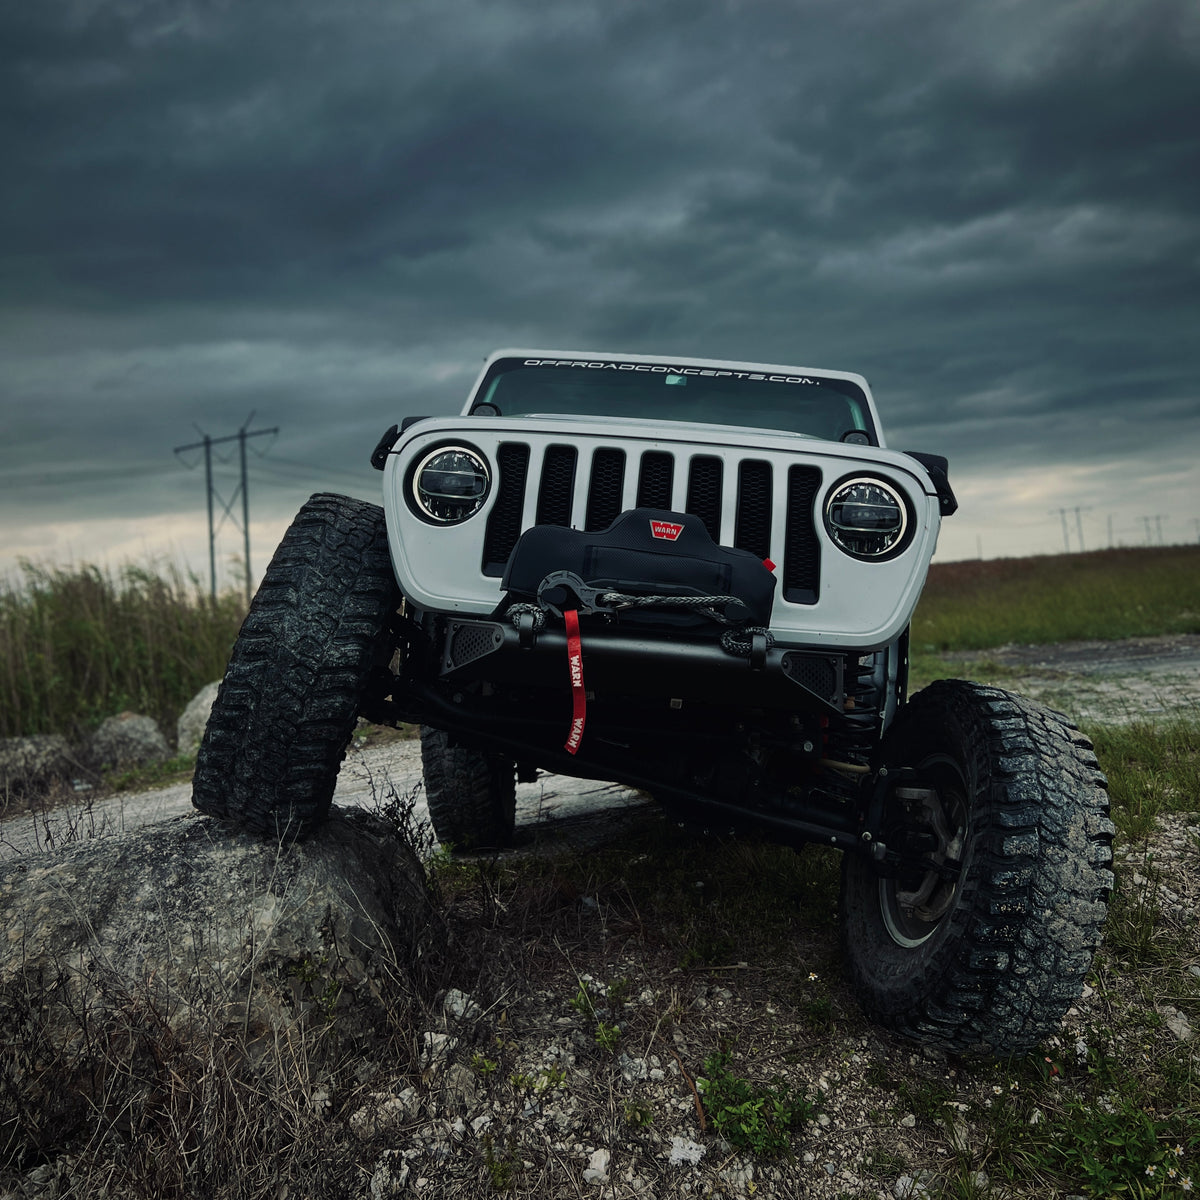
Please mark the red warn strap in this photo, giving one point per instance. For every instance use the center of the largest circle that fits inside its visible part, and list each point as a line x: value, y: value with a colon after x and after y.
x: 578, y: 695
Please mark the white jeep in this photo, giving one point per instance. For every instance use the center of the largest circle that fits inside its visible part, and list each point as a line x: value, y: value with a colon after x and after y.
x: 696, y: 578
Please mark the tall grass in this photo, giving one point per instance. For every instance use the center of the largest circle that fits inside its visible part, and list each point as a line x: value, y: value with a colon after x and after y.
x: 79, y: 644
x: 1065, y: 597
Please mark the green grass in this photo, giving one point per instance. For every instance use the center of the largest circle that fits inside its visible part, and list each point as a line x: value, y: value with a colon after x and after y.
x: 80, y: 644
x: 1105, y: 594
x: 1151, y: 768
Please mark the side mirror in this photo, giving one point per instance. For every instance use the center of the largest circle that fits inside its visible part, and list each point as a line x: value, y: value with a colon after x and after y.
x: 938, y: 468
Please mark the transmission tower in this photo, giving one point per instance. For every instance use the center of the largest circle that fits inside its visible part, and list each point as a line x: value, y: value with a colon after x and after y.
x: 207, y: 444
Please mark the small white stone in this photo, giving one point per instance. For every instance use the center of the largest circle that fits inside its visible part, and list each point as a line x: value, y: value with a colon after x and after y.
x: 908, y: 1121
x: 1179, y: 1025
x: 436, y: 1048
x: 459, y: 1006
x: 684, y: 1150
x: 597, y: 1169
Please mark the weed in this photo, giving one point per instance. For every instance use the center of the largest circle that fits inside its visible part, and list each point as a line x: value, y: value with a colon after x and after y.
x: 817, y: 1012
x: 926, y: 1099
x: 884, y: 1163
x: 1114, y: 1147
x: 501, y: 1168
x: 638, y: 1113
x: 1134, y: 932
x: 754, y: 1117
x: 618, y: 991
x: 321, y: 990
x: 483, y: 1066
x: 583, y: 1003
x: 608, y: 1037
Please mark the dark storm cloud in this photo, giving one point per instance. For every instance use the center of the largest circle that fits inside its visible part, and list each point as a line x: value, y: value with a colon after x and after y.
x: 328, y: 213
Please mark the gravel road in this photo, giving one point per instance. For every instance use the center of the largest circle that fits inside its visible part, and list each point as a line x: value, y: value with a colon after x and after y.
x: 1130, y: 679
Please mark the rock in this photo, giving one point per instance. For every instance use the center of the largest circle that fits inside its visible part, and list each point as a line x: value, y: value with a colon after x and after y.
x: 128, y: 740
x: 960, y: 1136
x: 908, y: 1121
x: 908, y: 1188
x: 390, y: 1175
x: 460, y: 1089
x: 684, y: 1150
x: 27, y: 762
x: 597, y: 1169
x: 1179, y: 1025
x: 189, y: 729
x: 458, y: 1006
x: 385, y: 1114
x: 214, y: 930
x: 436, y: 1049
x: 739, y: 1175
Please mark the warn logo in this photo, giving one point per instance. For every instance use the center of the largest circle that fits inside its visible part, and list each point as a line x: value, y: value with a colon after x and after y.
x: 667, y: 530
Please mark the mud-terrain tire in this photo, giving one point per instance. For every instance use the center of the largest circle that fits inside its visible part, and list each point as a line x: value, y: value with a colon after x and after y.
x: 472, y: 796
x: 317, y: 630
x: 987, y: 963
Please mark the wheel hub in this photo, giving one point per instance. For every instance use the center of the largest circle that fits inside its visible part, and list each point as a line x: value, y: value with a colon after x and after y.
x: 934, y: 821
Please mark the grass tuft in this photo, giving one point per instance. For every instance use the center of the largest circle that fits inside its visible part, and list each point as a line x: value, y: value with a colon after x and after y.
x: 80, y: 644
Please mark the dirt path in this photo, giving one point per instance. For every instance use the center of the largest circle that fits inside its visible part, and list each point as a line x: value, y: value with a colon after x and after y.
x: 1125, y: 680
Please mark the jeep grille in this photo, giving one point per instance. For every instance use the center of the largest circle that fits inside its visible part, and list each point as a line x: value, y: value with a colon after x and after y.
x: 605, y: 469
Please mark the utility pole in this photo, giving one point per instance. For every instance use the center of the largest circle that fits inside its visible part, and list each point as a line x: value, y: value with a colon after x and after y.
x: 1158, y: 519
x: 1110, y: 541
x: 207, y: 444
x: 1079, y: 527
x: 1062, y: 512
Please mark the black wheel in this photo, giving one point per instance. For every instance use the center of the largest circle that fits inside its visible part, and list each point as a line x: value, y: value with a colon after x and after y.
x: 316, y: 632
x: 984, y: 946
x: 472, y: 796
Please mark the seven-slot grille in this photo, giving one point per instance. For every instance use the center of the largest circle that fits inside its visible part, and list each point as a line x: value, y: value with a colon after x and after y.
x: 605, y: 470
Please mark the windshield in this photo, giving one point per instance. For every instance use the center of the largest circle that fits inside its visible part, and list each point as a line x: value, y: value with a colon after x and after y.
x: 812, y: 405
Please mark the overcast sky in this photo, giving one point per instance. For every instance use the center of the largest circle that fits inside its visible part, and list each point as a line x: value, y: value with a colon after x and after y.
x: 326, y: 214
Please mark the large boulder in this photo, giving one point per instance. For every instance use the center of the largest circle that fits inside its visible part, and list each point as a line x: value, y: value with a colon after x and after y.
x: 29, y: 762
x: 219, y: 930
x: 128, y: 740
x: 189, y: 729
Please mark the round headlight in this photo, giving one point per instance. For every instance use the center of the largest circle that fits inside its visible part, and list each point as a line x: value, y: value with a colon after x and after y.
x: 450, y: 484
x: 866, y: 518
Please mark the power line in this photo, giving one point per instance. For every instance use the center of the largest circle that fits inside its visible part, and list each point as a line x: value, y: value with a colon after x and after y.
x: 207, y: 444
x: 1158, y: 519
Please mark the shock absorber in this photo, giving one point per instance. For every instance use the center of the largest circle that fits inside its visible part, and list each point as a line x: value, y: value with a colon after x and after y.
x: 853, y: 733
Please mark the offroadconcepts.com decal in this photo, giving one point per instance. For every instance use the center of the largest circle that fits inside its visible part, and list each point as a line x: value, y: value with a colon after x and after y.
x: 659, y: 369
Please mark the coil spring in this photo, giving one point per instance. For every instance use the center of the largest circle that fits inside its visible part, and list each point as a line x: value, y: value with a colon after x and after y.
x: 854, y: 732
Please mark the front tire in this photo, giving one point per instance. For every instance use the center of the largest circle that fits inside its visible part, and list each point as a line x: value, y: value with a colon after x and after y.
x: 472, y: 796
x: 984, y: 950
x: 317, y: 630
